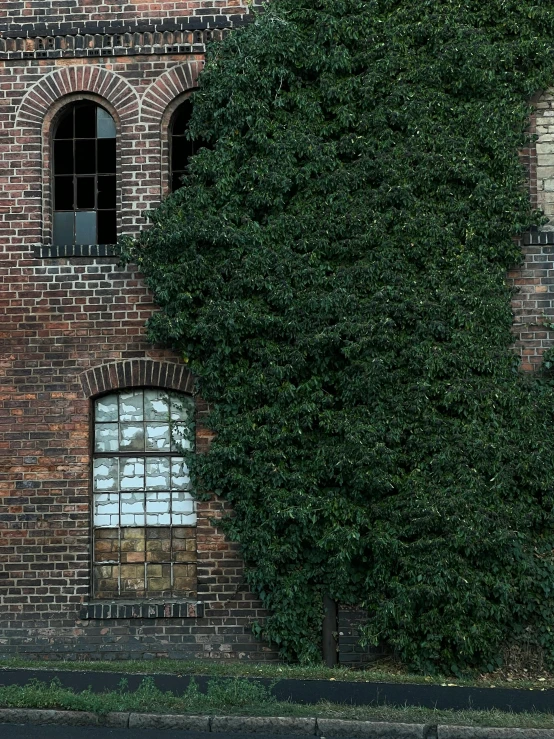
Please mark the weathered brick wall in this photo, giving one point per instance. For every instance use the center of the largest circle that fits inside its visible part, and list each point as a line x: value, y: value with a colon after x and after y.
x: 533, y: 303
x: 37, y: 16
x: 73, y: 327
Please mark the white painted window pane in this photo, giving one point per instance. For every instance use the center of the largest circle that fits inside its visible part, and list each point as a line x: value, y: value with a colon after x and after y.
x: 155, y: 405
x: 132, y: 509
x: 183, y: 503
x: 131, y: 473
x: 85, y: 227
x: 180, y: 479
x: 157, y: 509
x: 184, y: 519
x: 106, y: 408
x: 157, y: 473
x: 105, y: 473
x: 157, y: 436
x: 181, y: 437
x: 131, y: 406
x: 105, y: 124
x: 106, y: 437
x: 106, y: 509
x: 132, y: 437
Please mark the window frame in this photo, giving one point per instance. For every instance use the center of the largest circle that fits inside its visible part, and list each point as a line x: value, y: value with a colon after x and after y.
x: 126, y: 596
x: 49, y: 128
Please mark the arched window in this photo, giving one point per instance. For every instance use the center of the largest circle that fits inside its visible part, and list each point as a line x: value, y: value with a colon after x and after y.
x: 144, y: 514
x: 84, y: 171
x: 181, y: 147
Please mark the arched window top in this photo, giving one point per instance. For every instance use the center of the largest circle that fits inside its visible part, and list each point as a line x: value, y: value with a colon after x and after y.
x: 84, y: 173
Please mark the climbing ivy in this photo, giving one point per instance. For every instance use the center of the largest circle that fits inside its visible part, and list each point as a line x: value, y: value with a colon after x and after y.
x: 334, y: 271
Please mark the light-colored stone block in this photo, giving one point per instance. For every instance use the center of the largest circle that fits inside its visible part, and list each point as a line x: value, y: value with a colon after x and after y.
x: 168, y: 721
x: 265, y: 725
x: 482, y: 732
x: 368, y: 729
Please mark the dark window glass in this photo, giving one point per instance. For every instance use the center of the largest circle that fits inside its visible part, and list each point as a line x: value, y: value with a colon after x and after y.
x: 106, y: 156
x: 106, y: 192
x: 85, y: 192
x: 85, y: 120
x: 65, y: 126
x: 106, y: 227
x: 63, y: 157
x: 84, y: 182
x: 63, y: 193
x: 181, y: 147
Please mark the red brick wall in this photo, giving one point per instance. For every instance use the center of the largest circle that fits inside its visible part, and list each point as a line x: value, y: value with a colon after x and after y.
x: 68, y: 327
x: 35, y: 15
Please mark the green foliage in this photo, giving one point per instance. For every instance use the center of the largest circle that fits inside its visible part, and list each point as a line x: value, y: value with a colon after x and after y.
x: 333, y: 269
x: 221, y: 695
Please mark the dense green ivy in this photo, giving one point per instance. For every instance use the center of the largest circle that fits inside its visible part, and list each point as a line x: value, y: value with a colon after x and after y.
x: 333, y: 269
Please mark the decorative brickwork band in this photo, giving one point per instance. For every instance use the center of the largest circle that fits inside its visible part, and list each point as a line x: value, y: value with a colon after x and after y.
x: 136, y: 373
x: 166, y: 88
x: 86, y: 78
x: 141, y: 610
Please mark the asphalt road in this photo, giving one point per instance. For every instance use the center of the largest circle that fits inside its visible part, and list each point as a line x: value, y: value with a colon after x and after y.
x: 31, y: 731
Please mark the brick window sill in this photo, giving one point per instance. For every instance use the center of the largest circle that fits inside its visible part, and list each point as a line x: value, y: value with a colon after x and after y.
x: 76, y: 250
x: 113, y: 609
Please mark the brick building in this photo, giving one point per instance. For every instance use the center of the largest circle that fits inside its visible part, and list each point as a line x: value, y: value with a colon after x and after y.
x: 103, y: 551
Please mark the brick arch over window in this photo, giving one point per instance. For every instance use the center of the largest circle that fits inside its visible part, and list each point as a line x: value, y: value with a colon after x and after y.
x: 50, y: 88
x: 166, y: 88
x: 136, y: 373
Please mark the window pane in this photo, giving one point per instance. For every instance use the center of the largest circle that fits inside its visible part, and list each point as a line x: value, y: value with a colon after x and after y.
x: 106, y: 473
x: 85, y: 120
x: 63, y: 228
x: 182, y: 118
x: 180, y: 479
x: 181, y: 437
x: 63, y: 157
x: 131, y: 473
x: 107, y: 231
x: 63, y: 193
x: 157, y: 436
x: 182, y: 408
x: 107, y: 408
x: 105, y: 124
x: 157, y: 509
x: 132, y: 509
x: 106, y: 437
x: 85, y: 192
x: 130, y: 406
x: 64, y: 129
x: 106, y: 192
x: 85, y: 157
x: 106, y: 509
x: 85, y: 227
x: 106, y: 156
x: 180, y: 153
x: 155, y: 405
x: 157, y: 473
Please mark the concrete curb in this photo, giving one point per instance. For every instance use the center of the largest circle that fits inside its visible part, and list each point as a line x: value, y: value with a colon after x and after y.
x: 323, y: 727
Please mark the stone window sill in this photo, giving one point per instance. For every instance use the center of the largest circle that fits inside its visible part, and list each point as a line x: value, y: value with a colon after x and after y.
x: 114, y: 609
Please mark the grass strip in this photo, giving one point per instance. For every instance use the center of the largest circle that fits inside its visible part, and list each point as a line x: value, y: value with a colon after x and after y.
x: 243, y: 698
x: 379, y: 672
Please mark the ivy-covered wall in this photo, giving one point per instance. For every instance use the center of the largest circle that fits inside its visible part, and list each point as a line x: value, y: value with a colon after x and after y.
x: 334, y: 271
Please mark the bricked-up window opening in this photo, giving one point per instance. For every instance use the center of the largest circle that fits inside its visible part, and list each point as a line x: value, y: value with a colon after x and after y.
x: 181, y: 147
x: 85, y: 176
x: 144, y: 516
